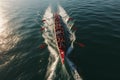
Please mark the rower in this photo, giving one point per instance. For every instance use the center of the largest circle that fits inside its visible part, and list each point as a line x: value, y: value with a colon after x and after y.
x: 62, y: 40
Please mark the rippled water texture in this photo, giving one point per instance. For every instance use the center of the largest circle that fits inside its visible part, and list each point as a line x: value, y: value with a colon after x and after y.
x: 98, y: 24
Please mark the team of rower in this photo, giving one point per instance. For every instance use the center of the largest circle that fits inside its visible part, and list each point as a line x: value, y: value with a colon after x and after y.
x: 59, y: 32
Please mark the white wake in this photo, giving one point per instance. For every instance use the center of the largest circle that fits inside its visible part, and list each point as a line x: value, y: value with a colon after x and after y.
x: 48, y: 35
x: 65, y: 18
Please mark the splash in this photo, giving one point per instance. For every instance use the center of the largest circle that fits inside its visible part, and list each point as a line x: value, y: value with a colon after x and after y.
x: 55, y: 67
x: 48, y: 36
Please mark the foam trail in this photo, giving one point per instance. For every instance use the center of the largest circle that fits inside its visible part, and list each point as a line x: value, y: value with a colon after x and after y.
x: 63, y: 14
x: 65, y: 73
x: 70, y: 63
x: 53, y: 66
x: 48, y: 36
x: 65, y: 18
x: 73, y: 70
x: 72, y: 38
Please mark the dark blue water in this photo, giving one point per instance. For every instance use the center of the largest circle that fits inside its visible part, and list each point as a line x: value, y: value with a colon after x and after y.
x: 97, y: 22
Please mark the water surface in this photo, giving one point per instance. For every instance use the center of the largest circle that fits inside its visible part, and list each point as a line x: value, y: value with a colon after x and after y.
x: 97, y: 22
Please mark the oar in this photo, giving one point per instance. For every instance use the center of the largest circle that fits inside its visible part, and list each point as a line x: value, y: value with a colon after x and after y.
x: 41, y: 29
x: 80, y: 44
x: 42, y: 46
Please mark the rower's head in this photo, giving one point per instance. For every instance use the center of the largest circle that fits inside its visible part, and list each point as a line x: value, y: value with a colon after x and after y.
x: 56, y: 15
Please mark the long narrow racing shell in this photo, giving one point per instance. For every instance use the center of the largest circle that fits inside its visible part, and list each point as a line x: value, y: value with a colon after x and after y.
x: 60, y: 37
